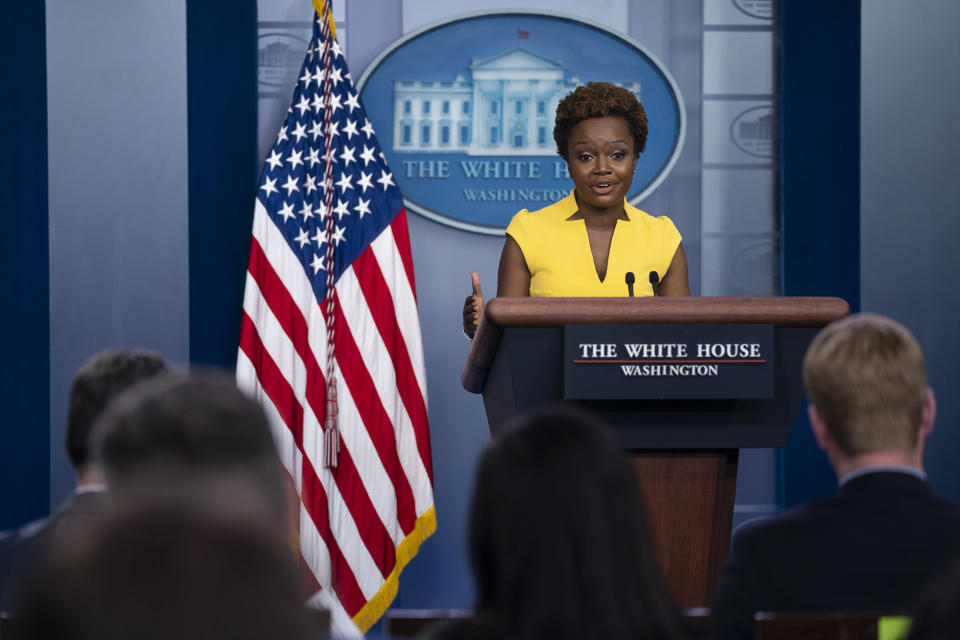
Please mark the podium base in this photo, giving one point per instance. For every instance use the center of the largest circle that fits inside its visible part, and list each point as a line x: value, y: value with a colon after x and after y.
x: 689, y: 496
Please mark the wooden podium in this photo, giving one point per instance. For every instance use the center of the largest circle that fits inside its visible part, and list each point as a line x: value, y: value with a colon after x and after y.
x: 684, y: 451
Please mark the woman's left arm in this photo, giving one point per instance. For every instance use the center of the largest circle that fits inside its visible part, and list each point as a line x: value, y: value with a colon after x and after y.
x: 675, y: 282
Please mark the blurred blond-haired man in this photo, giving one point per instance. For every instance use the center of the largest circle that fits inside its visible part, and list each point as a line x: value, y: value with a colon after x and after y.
x: 874, y: 543
x: 869, y: 400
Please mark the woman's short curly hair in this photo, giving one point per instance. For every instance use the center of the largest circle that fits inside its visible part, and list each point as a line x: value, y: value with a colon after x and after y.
x: 600, y: 100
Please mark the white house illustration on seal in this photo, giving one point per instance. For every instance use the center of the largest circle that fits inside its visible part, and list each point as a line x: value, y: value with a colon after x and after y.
x: 507, y: 108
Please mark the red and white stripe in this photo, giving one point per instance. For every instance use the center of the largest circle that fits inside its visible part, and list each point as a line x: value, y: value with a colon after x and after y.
x: 352, y: 517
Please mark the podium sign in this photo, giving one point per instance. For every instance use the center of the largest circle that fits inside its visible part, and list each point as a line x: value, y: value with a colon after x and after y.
x: 660, y: 361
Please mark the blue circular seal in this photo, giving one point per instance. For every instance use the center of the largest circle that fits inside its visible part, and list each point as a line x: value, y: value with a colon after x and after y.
x: 464, y: 110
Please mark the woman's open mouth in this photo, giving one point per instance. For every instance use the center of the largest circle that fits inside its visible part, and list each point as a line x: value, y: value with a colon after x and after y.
x: 603, y: 188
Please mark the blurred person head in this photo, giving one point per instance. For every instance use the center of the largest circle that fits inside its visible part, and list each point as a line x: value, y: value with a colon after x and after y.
x: 558, y: 536
x: 166, y: 569
x: 867, y: 387
x: 937, y: 613
x: 201, y: 432
x: 98, y: 381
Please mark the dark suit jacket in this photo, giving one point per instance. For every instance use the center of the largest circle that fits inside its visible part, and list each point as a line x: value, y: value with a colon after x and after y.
x: 869, y: 547
x: 76, y: 511
x: 20, y: 550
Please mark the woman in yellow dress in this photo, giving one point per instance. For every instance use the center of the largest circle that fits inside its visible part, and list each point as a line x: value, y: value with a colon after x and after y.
x: 587, y: 243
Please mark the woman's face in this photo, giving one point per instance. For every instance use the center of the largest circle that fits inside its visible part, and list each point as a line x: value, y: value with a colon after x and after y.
x: 601, y: 161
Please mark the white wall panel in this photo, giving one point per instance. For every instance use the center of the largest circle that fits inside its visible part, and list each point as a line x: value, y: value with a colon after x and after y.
x: 740, y: 62
x: 910, y: 194
x: 417, y: 13
x: 736, y: 132
x: 738, y: 12
x: 117, y: 128
x: 739, y: 201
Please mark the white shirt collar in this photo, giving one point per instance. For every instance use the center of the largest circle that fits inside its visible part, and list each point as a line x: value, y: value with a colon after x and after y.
x: 90, y: 488
x: 887, y: 468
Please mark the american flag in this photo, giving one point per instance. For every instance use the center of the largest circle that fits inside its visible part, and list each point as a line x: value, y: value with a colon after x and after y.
x: 326, y: 186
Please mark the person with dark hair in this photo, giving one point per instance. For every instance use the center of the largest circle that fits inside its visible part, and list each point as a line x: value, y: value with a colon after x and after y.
x: 204, y: 437
x: 558, y: 538
x: 873, y: 544
x: 199, y: 430
x: 162, y: 570
x: 96, y: 384
x: 588, y: 243
x: 936, y: 614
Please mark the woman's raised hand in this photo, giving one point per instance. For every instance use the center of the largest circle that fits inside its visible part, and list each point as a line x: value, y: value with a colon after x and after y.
x: 473, y: 307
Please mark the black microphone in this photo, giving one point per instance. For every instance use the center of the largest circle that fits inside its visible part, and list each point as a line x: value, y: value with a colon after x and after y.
x: 655, y: 282
x: 630, y: 280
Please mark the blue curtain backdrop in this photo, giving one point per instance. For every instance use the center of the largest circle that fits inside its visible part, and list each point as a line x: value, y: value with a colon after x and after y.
x: 25, y: 269
x: 222, y: 139
x: 819, y: 188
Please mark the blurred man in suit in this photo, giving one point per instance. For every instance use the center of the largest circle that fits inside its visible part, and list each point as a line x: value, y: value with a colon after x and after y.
x: 177, y: 439
x: 96, y: 384
x: 873, y: 544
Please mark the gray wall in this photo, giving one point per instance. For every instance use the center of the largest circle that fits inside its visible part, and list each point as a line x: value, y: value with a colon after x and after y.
x: 910, y: 150
x: 117, y: 123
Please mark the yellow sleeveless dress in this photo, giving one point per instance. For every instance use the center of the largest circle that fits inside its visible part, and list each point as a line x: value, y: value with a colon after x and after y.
x: 557, y: 251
